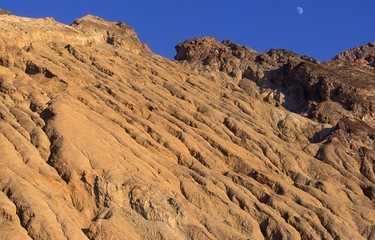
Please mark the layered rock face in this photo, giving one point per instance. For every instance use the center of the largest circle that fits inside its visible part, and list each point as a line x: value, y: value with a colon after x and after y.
x: 102, y: 139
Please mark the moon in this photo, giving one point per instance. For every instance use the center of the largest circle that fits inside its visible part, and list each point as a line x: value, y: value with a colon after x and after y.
x: 300, y: 10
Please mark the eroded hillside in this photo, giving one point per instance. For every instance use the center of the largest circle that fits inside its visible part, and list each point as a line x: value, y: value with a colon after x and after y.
x: 102, y: 139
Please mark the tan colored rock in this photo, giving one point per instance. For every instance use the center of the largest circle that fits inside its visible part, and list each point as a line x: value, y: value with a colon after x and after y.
x: 102, y: 139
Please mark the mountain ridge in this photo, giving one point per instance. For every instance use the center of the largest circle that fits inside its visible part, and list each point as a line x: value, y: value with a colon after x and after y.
x: 101, y: 138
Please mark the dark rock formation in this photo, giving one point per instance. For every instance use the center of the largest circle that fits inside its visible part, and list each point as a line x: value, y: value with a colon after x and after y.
x: 323, y: 91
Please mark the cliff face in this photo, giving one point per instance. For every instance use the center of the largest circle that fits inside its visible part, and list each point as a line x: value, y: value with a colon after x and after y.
x: 102, y: 139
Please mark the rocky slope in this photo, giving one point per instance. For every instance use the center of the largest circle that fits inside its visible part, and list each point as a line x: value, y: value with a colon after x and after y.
x: 102, y: 139
x: 364, y: 55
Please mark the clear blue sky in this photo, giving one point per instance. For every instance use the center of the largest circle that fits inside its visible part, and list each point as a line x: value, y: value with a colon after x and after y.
x: 325, y: 28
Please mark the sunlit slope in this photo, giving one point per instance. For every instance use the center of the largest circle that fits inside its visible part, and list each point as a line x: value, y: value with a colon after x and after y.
x: 102, y: 139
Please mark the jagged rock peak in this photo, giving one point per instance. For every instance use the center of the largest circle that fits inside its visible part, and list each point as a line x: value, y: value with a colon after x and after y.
x: 4, y: 12
x: 304, y: 84
x: 208, y: 54
x: 114, y: 33
x: 204, y: 47
x: 89, y: 30
x: 208, y: 47
x: 364, y: 54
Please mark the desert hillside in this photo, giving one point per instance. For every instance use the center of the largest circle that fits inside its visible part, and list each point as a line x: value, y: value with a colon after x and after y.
x: 100, y: 138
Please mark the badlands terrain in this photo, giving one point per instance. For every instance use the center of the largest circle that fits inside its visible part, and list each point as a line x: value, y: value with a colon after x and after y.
x: 100, y: 138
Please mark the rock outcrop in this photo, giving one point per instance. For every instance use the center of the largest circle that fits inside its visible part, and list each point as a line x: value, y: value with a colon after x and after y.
x: 323, y: 91
x: 364, y: 55
x: 102, y: 139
